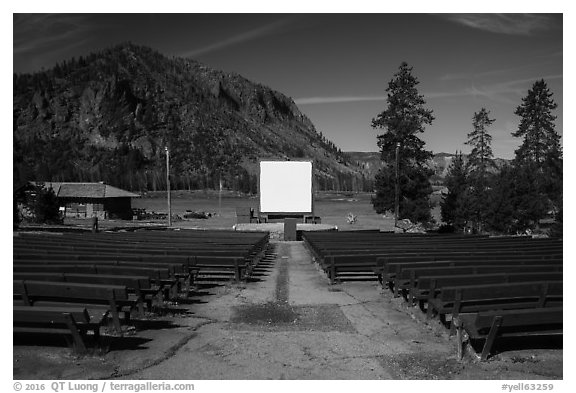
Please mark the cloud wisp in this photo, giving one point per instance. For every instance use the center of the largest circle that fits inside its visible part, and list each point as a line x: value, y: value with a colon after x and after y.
x: 40, y: 33
x: 497, y: 91
x: 336, y: 99
x: 511, y: 24
x: 500, y: 92
x: 246, y: 36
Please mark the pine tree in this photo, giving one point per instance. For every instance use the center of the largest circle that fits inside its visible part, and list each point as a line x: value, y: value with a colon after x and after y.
x: 453, y: 208
x: 479, y: 161
x: 529, y: 202
x: 45, y: 206
x: 501, y: 213
x: 480, y: 158
x: 539, y: 158
x: 537, y: 126
x: 404, y: 118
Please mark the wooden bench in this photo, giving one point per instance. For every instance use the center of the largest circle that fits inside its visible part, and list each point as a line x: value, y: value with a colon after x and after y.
x: 428, y: 286
x: 336, y: 264
x: 46, y: 293
x: 490, y: 325
x: 159, y: 276
x: 239, y: 266
x: 388, y: 267
x: 62, y: 320
x: 475, y: 298
x: 138, y: 286
x: 409, y: 277
x: 378, y: 263
x: 394, y: 266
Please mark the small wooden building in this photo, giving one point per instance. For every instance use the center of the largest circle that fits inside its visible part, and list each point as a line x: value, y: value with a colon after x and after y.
x: 86, y: 200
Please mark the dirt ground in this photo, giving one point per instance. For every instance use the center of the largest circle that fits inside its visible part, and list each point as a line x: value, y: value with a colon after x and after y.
x: 286, y: 323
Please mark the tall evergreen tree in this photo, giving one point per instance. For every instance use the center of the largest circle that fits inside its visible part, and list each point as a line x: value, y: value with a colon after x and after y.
x: 537, y: 126
x: 479, y: 161
x: 530, y: 204
x: 453, y: 207
x: 480, y: 158
x: 45, y: 205
x: 539, y: 158
x: 404, y: 118
x: 501, y: 214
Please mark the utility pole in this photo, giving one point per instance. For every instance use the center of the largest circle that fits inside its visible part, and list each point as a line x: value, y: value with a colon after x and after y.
x: 168, y: 185
x: 220, y: 194
x: 397, y: 200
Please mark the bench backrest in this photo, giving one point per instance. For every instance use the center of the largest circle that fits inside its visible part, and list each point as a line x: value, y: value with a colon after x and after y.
x: 155, y: 273
x: 502, y: 291
x: 218, y: 261
x: 173, y: 267
x: 48, y: 315
x: 66, y: 290
x: 522, y: 318
x: 381, y: 259
x: 427, y: 282
x: 409, y: 272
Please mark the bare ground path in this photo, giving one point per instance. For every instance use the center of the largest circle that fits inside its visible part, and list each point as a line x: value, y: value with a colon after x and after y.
x: 289, y: 323
x: 293, y: 325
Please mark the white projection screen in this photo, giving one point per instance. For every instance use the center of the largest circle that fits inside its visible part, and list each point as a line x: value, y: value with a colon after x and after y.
x: 286, y: 187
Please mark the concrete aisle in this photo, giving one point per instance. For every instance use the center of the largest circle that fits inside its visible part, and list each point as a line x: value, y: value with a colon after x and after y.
x: 293, y: 325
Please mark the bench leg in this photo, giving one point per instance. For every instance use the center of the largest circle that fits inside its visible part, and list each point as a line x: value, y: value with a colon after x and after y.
x: 237, y: 272
x: 115, y: 316
x: 411, y: 296
x: 140, y: 302
x: 455, y: 312
x: 453, y: 328
x: 459, y: 339
x: 332, y: 271
x: 79, y: 345
x: 140, y: 307
x: 491, y: 337
x: 421, y: 305
x: 160, y: 296
x: 187, y: 285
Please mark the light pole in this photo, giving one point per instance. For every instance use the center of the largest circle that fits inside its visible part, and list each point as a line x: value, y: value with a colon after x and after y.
x: 168, y: 185
x: 397, y: 200
x: 220, y: 194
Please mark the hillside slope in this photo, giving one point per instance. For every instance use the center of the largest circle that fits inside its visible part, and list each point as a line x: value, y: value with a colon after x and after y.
x: 108, y: 117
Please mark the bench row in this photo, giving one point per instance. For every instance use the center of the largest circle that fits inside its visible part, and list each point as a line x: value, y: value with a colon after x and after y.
x: 80, y: 290
x: 482, y: 288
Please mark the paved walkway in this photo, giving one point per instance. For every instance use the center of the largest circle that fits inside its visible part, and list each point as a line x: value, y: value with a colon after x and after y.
x: 293, y: 325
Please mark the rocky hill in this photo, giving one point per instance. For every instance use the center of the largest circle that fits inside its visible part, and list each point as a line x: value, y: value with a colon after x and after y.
x: 110, y: 115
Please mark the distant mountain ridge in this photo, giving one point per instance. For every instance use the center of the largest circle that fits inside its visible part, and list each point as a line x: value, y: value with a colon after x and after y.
x: 108, y: 117
x: 370, y: 163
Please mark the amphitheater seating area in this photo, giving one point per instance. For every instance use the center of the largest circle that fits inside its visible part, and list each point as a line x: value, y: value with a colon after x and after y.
x: 76, y: 283
x: 483, y: 288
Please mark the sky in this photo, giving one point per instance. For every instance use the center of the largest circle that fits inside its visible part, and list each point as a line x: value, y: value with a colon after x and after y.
x: 336, y: 67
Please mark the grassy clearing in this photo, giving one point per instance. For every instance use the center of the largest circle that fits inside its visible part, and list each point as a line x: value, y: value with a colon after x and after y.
x: 333, y: 208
